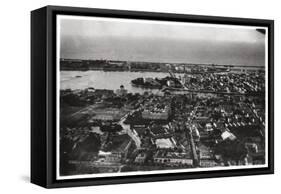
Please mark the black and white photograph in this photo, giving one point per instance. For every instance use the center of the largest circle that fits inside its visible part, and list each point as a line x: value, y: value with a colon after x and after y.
x: 138, y: 97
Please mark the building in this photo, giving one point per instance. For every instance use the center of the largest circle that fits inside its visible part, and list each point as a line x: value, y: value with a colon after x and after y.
x: 118, y: 148
x: 103, y: 117
x: 156, y: 113
x: 141, y: 157
x: 122, y: 91
x: 173, y: 158
x: 228, y: 135
x: 113, y: 157
x: 164, y: 143
x: 170, y: 83
x: 107, y: 114
x: 208, y: 163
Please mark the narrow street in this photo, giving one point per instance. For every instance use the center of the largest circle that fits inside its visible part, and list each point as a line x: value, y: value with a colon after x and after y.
x: 127, y: 130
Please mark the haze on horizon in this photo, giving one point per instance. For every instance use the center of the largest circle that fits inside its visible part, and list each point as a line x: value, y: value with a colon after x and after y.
x: 142, y: 40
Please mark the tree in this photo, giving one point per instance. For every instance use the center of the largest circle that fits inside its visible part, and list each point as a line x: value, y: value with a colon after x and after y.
x: 231, y: 150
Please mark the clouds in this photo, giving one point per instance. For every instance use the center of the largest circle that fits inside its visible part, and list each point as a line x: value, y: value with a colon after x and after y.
x: 94, y: 27
x: 143, y: 40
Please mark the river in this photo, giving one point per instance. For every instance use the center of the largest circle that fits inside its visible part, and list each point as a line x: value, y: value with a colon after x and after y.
x: 110, y: 80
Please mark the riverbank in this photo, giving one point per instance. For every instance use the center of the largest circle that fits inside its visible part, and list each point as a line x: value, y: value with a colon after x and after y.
x: 136, y: 66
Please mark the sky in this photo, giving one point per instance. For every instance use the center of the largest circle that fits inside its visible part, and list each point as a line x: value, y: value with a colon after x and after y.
x: 143, y: 40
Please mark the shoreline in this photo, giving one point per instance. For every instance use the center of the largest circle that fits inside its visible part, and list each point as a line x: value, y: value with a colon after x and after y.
x: 164, y: 63
x: 157, y: 71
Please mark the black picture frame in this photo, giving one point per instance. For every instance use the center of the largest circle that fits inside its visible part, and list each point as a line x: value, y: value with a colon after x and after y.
x: 43, y: 95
